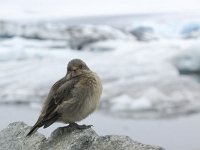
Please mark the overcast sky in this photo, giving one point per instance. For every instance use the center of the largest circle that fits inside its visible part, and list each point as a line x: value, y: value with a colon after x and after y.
x: 44, y: 9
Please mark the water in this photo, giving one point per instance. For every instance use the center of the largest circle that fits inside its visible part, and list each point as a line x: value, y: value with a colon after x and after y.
x: 172, y: 134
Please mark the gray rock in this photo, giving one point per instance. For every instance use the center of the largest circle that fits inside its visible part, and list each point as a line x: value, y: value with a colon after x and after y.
x: 14, y: 137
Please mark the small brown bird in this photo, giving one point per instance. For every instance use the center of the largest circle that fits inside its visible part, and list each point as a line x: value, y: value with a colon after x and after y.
x: 72, y: 98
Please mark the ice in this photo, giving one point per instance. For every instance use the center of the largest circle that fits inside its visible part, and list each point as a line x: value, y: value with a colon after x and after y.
x: 191, y: 30
x: 142, y: 78
x: 79, y: 34
x: 166, y: 27
x: 75, y: 37
x: 125, y: 102
x: 188, y: 62
x: 139, y: 79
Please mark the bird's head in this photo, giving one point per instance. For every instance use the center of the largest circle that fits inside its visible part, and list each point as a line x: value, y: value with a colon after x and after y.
x: 76, y: 67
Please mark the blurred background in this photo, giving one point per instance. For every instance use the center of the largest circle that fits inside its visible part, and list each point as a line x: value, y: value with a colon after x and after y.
x: 146, y: 52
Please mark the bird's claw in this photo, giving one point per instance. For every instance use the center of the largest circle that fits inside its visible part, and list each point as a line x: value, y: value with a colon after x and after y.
x: 84, y: 126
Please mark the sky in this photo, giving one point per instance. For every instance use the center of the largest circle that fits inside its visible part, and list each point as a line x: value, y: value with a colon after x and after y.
x: 59, y: 9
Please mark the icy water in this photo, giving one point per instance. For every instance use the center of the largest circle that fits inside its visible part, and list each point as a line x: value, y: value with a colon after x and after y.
x: 172, y: 134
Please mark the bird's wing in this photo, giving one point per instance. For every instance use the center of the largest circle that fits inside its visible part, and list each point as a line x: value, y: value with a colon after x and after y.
x: 60, y: 93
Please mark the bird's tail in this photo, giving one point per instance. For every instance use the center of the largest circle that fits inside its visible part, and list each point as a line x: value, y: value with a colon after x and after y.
x: 42, y: 122
x: 34, y: 129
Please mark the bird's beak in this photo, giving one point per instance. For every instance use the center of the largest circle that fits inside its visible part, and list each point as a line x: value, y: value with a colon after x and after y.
x: 74, y: 71
x: 74, y: 68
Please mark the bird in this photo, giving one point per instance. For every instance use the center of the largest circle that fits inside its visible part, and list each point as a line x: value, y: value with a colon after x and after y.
x: 72, y: 98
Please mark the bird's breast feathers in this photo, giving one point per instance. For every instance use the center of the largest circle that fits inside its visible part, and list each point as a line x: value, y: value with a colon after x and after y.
x: 86, y: 95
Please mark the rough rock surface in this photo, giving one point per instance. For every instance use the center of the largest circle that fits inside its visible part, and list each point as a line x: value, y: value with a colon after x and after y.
x: 14, y: 137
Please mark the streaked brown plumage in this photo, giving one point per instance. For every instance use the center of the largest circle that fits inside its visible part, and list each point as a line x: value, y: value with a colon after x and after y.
x: 72, y: 98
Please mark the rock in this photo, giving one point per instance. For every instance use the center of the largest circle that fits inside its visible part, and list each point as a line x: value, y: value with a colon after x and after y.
x: 14, y: 137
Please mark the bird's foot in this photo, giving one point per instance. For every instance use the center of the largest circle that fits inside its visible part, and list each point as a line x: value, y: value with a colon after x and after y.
x: 80, y: 127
